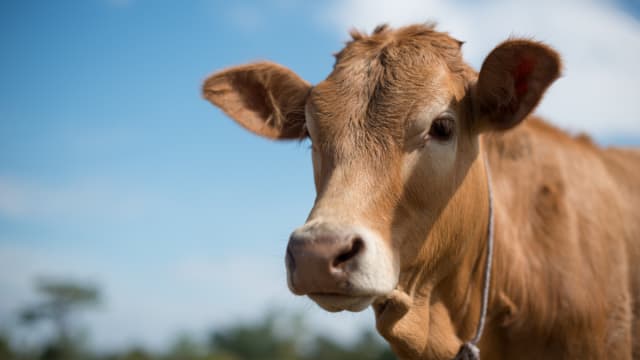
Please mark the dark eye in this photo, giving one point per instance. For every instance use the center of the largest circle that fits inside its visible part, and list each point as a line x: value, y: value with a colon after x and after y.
x: 442, y: 128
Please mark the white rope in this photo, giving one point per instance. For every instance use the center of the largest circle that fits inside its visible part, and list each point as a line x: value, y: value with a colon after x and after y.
x: 469, y: 350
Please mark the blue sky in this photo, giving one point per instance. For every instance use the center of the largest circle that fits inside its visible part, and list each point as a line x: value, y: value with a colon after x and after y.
x: 114, y: 170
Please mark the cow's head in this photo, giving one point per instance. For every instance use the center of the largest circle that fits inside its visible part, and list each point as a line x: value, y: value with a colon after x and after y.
x: 394, y: 130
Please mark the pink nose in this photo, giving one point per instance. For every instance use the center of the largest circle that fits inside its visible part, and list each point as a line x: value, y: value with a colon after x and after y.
x: 319, y: 262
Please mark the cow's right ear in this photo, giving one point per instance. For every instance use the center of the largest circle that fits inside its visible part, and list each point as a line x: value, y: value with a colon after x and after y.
x: 265, y: 98
x: 513, y: 78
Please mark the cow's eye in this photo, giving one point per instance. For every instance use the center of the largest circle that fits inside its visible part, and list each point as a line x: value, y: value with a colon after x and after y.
x: 442, y: 128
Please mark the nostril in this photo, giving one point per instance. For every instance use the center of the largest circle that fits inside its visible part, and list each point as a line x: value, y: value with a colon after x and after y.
x: 357, y: 245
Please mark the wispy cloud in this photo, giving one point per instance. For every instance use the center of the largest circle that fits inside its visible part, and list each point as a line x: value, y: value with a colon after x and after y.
x: 71, y: 201
x: 246, y: 18
x: 598, y: 42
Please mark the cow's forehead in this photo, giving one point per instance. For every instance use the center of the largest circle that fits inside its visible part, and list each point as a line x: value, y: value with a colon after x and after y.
x: 379, y: 80
x: 379, y: 88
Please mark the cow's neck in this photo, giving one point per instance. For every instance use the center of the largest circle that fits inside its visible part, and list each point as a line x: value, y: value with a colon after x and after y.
x: 438, y: 305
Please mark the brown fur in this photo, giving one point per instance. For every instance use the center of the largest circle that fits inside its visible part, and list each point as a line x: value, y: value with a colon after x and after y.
x: 567, y: 213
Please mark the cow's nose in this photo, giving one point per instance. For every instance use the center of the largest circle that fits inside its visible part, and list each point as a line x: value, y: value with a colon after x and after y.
x: 320, y: 262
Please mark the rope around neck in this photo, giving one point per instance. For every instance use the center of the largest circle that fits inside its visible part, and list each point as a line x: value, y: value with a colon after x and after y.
x: 469, y: 350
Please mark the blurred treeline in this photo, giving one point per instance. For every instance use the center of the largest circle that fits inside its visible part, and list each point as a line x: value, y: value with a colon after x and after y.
x: 278, y: 336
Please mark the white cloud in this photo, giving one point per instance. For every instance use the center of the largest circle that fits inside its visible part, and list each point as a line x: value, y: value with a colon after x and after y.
x: 72, y: 201
x: 600, y: 45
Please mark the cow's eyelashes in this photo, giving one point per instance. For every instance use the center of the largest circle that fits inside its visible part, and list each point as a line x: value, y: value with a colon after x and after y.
x: 442, y: 128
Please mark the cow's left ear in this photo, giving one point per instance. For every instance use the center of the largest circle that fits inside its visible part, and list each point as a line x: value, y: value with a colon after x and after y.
x: 511, y: 83
x: 265, y: 98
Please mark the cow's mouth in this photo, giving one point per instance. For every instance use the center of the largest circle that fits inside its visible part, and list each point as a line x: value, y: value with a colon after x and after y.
x: 335, y: 302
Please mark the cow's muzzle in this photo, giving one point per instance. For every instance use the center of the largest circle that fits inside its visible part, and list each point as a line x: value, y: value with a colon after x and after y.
x: 339, y: 267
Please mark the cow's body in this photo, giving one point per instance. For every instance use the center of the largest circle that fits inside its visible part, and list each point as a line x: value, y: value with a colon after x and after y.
x: 565, y: 279
x: 568, y: 246
x: 403, y: 133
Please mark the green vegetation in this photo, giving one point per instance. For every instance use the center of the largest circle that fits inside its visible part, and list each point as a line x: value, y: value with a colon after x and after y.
x: 277, y: 336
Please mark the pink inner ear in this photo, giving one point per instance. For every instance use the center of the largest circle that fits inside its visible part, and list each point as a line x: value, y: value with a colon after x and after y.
x: 521, y: 75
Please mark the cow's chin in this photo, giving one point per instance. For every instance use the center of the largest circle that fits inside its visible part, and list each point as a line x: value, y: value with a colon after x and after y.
x: 338, y: 302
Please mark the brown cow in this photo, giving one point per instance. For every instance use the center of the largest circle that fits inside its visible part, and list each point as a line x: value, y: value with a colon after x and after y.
x: 404, y: 136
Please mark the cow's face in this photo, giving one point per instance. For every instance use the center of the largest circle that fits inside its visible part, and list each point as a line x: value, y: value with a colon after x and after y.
x: 394, y: 133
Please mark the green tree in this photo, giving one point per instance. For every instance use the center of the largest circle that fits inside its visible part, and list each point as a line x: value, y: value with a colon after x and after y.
x: 284, y: 337
x: 6, y: 353
x: 256, y: 342
x: 59, y: 300
x: 136, y: 354
x: 368, y: 347
x: 186, y: 348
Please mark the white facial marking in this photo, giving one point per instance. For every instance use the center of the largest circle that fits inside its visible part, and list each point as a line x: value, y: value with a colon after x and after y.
x: 377, y: 270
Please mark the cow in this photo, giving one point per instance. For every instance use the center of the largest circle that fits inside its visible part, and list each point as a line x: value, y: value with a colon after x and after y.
x: 443, y: 204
